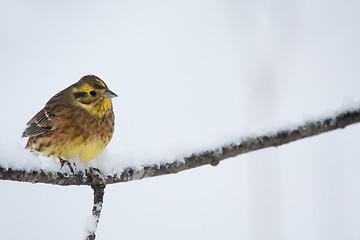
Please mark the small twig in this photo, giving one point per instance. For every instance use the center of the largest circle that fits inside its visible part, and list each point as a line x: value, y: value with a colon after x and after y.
x: 96, y: 211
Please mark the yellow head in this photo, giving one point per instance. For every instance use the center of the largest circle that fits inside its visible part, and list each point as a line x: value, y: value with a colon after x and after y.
x: 92, y: 94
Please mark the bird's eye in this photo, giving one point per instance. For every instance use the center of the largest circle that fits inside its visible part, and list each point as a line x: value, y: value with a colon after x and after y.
x: 92, y: 93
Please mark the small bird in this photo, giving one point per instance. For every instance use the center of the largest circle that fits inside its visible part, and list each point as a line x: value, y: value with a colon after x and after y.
x: 78, y: 121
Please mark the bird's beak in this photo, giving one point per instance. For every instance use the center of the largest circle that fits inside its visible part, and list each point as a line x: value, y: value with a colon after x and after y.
x: 109, y: 94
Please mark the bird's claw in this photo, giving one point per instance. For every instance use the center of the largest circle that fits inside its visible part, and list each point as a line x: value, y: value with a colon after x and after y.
x: 62, y: 161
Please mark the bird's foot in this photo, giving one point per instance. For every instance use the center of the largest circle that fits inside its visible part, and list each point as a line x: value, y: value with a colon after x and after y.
x: 92, y: 170
x: 62, y: 161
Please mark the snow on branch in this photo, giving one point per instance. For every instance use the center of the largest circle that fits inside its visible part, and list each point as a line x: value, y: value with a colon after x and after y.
x: 96, y: 211
x: 212, y: 157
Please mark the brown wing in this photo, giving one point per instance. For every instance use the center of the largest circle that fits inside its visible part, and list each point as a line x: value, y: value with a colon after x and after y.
x: 43, y: 121
x: 39, y: 124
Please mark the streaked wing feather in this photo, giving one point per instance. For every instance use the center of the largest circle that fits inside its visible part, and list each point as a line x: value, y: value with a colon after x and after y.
x: 33, y: 130
x: 39, y: 124
x: 43, y: 121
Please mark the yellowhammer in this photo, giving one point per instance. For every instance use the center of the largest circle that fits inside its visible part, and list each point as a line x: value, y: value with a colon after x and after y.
x: 78, y: 121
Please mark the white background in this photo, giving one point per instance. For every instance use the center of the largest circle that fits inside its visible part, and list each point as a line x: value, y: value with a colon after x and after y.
x: 189, y: 75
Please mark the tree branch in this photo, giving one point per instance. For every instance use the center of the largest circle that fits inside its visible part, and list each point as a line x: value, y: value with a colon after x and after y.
x: 96, y: 211
x: 212, y: 157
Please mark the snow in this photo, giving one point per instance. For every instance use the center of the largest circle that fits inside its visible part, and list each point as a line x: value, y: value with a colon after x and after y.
x: 91, y: 225
x: 16, y: 157
x: 92, y: 221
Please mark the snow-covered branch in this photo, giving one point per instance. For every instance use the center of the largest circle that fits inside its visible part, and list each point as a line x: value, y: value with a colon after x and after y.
x: 98, y: 181
x: 213, y: 157
x: 96, y: 211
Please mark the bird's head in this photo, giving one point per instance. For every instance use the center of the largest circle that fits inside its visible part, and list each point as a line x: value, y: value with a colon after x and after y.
x: 92, y: 94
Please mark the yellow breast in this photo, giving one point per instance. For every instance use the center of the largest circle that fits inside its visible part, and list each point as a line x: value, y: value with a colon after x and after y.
x: 85, y: 150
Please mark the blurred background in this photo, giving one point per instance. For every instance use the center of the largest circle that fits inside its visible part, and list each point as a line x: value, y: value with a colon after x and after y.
x: 191, y: 75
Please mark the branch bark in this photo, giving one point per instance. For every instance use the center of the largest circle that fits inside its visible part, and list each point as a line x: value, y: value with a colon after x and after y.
x: 212, y: 157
